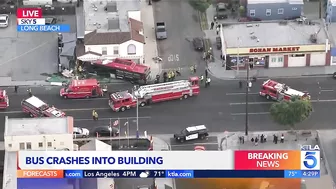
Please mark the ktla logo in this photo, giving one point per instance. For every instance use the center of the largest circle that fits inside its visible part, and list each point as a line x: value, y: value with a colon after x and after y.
x: 310, y: 160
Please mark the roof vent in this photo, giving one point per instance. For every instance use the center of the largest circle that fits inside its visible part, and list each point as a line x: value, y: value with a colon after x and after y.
x: 249, y: 25
x: 313, y: 38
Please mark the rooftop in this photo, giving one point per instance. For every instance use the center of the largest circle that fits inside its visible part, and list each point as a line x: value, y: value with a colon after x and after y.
x: 9, y: 172
x: 268, y: 34
x: 109, y: 15
x: 37, y: 126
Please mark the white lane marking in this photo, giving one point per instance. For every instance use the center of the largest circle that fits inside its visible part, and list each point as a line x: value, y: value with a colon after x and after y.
x: 74, y: 110
x: 232, y: 94
x: 259, y: 103
x: 327, y: 90
x: 114, y: 118
x: 252, y: 113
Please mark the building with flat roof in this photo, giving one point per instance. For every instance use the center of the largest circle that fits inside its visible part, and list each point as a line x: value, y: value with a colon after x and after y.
x: 275, y: 44
x: 33, y: 134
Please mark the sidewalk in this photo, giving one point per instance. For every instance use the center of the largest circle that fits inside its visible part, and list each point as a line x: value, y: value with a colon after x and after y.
x: 150, y: 47
x: 161, y: 145
x: 7, y: 82
x: 303, y: 138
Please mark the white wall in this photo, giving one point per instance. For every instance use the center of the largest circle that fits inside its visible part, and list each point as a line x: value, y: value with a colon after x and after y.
x: 122, y: 49
x: 296, y: 61
x: 318, y: 59
x: 59, y: 141
x: 136, y: 15
x: 276, y: 61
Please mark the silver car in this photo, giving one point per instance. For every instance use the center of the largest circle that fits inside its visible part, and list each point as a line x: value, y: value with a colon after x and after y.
x: 4, y: 20
x: 80, y: 132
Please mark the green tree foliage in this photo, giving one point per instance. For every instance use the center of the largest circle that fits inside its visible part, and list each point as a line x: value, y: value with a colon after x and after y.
x: 242, y: 11
x: 290, y: 113
x: 200, y: 5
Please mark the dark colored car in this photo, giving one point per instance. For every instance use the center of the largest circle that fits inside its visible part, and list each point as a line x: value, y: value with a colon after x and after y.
x: 50, y: 20
x: 218, y: 43
x: 221, y: 11
x: 106, y: 131
x: 192, y: 133
x: 198, y: 44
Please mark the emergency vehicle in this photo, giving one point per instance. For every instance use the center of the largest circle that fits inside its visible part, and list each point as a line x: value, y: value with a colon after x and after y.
x: 147, y: 94
x: 87, y: 88
x: 4, y: 100
x: 279, y: 91
x: 37, y: 108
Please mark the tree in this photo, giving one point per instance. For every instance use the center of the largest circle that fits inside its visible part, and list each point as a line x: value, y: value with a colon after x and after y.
x: 200, y: 5
x: 242, y: 11
x: 289, y: 113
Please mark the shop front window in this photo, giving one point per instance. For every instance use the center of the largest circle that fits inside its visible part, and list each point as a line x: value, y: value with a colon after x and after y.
x: 241, y: 61
x: 280, y: 59
x: 273, y: 59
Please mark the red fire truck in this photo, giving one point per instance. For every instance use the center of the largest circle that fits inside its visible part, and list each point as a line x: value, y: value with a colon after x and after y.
x: 37, y: 108
x: 148, y: 94
x: 279, y: 91
x: 4, y: 100
x: 123, y: 69
x: 87, y: 88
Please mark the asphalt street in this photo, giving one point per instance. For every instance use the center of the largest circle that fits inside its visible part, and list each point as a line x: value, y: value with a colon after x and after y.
x: 221, y: 107
x: 210, y: 144
x: 177, y: 50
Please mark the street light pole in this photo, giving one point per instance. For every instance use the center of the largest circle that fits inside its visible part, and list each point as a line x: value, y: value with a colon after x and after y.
x: 238, y: 61
x: 247, y: 98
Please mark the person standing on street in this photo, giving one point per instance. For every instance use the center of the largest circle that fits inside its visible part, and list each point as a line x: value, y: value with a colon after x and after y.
x: 212, y: 25
x: 94, y: 115
x: 217, y: 30
x: 208, y: 81
x: 202, y: 78
x: 16, y: 88
x: 192, y: 69
x: 195, y: 67
x: 29, y: 92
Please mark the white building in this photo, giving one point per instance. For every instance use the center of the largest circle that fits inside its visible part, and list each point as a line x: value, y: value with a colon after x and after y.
x: 33, y: 134
x: 113, y: 29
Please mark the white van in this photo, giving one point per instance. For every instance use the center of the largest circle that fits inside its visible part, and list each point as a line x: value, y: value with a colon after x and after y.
x: 4, y: 20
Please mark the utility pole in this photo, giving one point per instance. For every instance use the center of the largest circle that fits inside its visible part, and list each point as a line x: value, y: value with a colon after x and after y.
x: 247, y: 98
x: 238, y: 59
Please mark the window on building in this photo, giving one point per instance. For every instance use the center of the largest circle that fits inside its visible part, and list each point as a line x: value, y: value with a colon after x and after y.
x: 252, y: 13
x: 273, y: 60
x: 268, y: 12
x: 29, y: 147
x: 281, y: 11
x: 40, y: 144
x: 104, y: 50
x: 294, y: 8
x: 297, y: 55
x: 49, y: 144
x: 280, y: 59
x: 22, y: 146
x: 9, y: 145
x: 115, y: 50
x: 131, y: 49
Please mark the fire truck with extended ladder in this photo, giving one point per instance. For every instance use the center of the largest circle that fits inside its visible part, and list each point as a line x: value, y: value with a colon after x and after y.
x: 279, y: 91
x: 37, y: 108
x: 4, y: 100
x: 147, y: 94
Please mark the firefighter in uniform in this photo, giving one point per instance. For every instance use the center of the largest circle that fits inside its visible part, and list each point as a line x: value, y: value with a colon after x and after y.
x: 202, y: 78
x: 172, y: 75
x: 169, y: 76
x: 29, y: 92
x: 94, y: 115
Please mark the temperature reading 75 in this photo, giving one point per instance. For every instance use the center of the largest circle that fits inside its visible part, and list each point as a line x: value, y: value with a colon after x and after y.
x: 173, y: 58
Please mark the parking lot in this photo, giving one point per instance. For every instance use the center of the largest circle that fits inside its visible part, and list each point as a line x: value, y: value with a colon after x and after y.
x: 211, y: 143
x: 21, y: 53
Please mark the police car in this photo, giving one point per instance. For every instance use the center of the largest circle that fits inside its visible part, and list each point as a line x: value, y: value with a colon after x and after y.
x: 192, y: 133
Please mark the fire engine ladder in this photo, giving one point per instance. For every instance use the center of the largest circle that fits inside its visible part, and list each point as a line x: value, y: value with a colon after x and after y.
x: 159, y: 88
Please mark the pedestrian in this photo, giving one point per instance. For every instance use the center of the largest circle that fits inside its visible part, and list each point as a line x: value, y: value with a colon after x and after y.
x: 202, y: 78
x: 165, y: 76
x: 16, y: 88
x: 262, y: 138
x: 215, y: 19
x: 276, y: 139
x: 206, y: 73
x: 217, y: 30
x: 178, y: 71
x: 212, y: 25
x: 282, y: 138
x: 240, y: 139
x: 256, y: 140
x: 240, y: 84
x: 208, y: 81
x: 243, y: 139
x: 265, y: 138
x: 29, y: 92
x: 252, y: 140
x: 195, y: 67
x: 94, y: 115
x: 192, y: 69
x: 173, y: 75
x: 169, y: 76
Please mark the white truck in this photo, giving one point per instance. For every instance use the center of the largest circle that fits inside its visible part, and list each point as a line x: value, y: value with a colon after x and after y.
x: 161, y: 32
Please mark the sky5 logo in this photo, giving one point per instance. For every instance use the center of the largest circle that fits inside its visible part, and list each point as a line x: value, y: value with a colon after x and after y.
x: 310, y: 160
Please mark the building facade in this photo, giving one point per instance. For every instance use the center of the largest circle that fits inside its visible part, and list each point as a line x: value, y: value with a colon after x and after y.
x: 331, y: 11
x: 274, y: 9
x: 281, y: 56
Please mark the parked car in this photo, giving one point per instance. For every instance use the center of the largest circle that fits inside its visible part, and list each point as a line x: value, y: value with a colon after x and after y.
x: 221, y: 11
x: 4, y: 20
x: 198, y: 44
x: 218, y: 43
x: 79, y: 132
x: 192, y: 133
x: 199, y: 148
x: 106, y: 131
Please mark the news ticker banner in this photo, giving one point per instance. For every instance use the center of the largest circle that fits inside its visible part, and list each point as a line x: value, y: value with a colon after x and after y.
x: 31, y: 20
x: 276, y: 163
x: 81, y: 174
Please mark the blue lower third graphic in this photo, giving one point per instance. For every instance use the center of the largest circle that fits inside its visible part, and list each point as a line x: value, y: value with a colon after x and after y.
x: 43, y: 28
